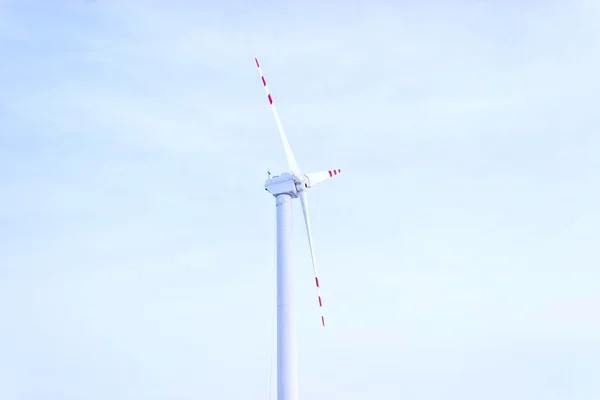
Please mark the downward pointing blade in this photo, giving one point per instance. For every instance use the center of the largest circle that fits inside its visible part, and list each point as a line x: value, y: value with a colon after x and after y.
x: 304, y: 202
x: 293, y: 165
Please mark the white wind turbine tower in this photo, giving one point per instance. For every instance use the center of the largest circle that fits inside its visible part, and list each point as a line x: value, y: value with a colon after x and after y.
x: 286, y: 187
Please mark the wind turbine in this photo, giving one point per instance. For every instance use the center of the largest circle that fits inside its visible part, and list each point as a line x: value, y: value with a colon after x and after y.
x: 286, y: 187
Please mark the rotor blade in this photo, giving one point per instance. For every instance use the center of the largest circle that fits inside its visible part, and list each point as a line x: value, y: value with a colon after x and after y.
x: 317, y: 177
x: 293, y: 165
x: 304, y: 202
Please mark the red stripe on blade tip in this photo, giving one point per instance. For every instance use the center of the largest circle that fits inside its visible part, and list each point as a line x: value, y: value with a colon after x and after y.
x: 270, y: 99
x: 317, y: 281
x: 257, y: 64
x: 320, y: 302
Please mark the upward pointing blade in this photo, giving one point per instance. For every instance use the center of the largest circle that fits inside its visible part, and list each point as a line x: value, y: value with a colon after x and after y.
x: 304, y: 202
x: 293, y: 165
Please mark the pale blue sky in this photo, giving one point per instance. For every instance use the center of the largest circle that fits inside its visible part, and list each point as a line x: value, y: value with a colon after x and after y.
x: 459, y: 251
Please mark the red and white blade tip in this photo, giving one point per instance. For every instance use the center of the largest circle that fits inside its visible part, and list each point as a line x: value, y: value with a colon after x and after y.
x: 315, y: 178
x: 320, y: 300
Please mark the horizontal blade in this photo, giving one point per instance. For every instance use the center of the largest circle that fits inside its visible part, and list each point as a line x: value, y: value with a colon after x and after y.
x: 291, y: 160
x: 304, y: 202
x: 318, y: 177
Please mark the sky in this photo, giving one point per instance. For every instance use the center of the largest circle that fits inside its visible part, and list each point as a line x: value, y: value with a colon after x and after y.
x: 458, y: 250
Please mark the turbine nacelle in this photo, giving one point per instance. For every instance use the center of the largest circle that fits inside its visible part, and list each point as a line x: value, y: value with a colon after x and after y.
x: 282, y: 184
x: 286, y: 183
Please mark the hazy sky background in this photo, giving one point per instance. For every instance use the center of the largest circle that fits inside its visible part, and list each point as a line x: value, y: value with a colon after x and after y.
x: 459, y: 251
